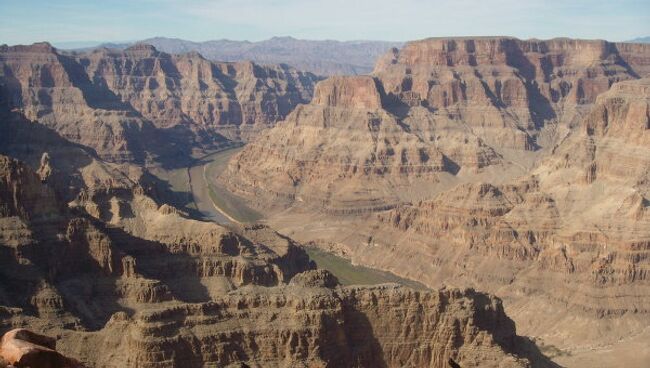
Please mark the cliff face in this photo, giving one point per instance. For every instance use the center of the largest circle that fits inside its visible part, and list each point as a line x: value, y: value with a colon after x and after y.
x: 120, y: 245
x: 313, y: 326
x: 124, y: 282
x: 348, y: 92
x: 170, y: 89
x: 496, y: 83
x: 519, y: 167
x: 572, y: 234
x: 464, y: 107
x: 124, y: 104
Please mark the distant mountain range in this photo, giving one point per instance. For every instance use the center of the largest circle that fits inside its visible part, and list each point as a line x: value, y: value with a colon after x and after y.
x: 326, y: 57
x: 641, y: 39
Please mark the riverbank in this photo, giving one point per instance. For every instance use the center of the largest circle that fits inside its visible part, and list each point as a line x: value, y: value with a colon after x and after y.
x: 219, y: 205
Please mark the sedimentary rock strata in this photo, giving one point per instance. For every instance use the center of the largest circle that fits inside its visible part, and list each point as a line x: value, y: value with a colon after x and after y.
x: 123, y: 281
x: 515, y: 167
x: 573, y: 234
x: 382, y: 326
x: 520, y: 167
x: 132, y: 104
x: 465, y: 107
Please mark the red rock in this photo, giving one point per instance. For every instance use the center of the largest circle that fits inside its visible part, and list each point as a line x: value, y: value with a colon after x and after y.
x: 23, y: 348
x: 358, y: 92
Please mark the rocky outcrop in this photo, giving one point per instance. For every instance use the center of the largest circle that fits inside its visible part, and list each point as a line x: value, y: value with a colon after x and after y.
x: 348, y: 92
x: 124, y: 282
x: 132, y: 104
x: 622, y: 112
x: 22, y: 193
x: 385, y: 326
x: 23, y: 348
x: 315, y: 278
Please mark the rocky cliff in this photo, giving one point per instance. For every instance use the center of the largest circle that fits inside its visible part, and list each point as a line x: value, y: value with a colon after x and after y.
x: 573, y: 233
x: 132, y: 104
x: 311, y: 326
x: 123, y: 281
x: 313, y: 150
x: 518, y: 167
x: 437, y: 110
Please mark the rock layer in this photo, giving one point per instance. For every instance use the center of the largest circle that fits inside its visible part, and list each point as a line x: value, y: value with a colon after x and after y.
x: 128, y: 105
x: 125, y: 282
x: 316, y: 327
x: 517, y: 167
x: 465, y: 107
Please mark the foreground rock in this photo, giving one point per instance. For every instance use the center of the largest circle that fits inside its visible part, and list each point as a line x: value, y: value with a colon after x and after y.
x: 126, y: 282
x: 23, y: 348
x: 382, y: 326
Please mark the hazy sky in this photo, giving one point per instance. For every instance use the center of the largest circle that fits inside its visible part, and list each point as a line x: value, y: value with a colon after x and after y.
x: 27, y: 21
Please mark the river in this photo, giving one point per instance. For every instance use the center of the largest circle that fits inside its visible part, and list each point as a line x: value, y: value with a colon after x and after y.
x: 217, y: 204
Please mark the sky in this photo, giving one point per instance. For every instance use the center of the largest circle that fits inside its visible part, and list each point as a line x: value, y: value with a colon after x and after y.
x: 89, y: 21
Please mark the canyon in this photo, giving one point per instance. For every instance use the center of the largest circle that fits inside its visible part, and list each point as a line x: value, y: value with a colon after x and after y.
x: 516, y: 167
x: 160, y: 209
x: 121, y: 280
x: 140, y: 104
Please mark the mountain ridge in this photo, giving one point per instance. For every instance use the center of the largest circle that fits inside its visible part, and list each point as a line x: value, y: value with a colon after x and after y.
x: 322, y: 57
x: 119, y: 102
x: 645, y: 39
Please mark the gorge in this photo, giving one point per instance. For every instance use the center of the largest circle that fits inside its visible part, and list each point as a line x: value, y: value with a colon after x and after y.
x: 163, y: 210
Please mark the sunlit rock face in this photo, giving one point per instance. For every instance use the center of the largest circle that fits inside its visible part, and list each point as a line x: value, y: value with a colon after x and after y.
x: 128, y: 105
x: 518, y: 167
x: 435, y: 107
x: 124, y: 282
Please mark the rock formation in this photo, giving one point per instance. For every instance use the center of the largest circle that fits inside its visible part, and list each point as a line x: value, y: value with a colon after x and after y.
x: 516, y: 167
x: 23, y: 348
x: 126, y: 282
x: 132, y: 104
x: 381, y: 326
x: 435, y: 109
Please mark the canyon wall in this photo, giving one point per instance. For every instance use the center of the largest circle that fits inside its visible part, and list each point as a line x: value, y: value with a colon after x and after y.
x: 125, y: 282
x: 517, y: 167
x: 435, y: 111
x: 139, y: 103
